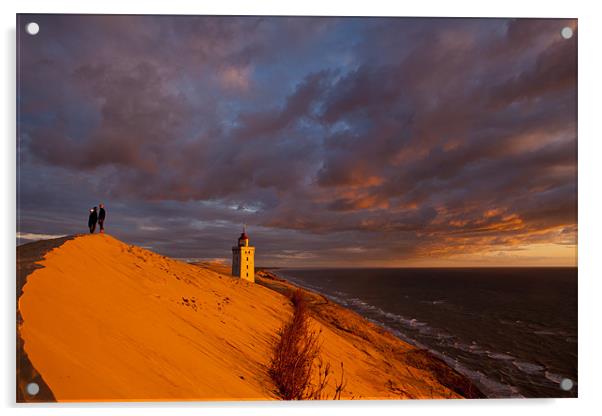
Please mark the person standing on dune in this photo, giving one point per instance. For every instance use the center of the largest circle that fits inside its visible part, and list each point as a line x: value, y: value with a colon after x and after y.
x: 101, y: 217
x: 92, y: 220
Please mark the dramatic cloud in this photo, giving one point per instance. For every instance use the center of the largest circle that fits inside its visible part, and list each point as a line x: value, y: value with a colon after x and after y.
x: 367, y: 141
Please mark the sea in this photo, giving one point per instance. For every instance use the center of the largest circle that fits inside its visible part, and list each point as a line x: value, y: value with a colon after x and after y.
x: 512, y: 331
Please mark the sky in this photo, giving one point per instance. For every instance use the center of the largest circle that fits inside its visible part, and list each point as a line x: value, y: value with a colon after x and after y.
x: 356, y: 142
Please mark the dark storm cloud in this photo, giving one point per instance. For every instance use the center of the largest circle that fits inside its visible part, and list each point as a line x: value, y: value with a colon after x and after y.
x: 387, y: 139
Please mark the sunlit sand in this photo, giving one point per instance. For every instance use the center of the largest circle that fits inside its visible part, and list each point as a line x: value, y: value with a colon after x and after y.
x: 107, y: 321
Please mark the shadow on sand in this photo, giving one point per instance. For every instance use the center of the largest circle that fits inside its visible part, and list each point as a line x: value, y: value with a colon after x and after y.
x: 27, y: 257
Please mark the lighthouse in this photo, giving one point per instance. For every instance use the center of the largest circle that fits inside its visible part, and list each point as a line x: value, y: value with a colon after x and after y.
x: 243, y: 259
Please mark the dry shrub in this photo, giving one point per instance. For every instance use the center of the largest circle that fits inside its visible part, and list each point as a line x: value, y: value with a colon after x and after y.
x: 294, y: 354
x: 316, y: 392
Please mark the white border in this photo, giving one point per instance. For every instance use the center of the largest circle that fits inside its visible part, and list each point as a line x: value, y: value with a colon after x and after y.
x: 590, y: 206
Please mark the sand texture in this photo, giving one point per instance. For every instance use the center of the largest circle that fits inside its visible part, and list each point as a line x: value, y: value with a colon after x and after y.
x: 101, y: 320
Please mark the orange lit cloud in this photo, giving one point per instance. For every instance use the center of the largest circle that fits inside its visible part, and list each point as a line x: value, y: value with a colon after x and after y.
x: 366, y: 141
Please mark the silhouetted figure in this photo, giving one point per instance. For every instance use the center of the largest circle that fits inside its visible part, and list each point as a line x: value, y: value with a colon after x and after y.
x: 101, y: 217
x: 92, y: 220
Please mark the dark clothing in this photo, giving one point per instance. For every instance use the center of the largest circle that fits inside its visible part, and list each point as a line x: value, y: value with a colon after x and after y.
x: 92, y: 219
x: 101, y: 219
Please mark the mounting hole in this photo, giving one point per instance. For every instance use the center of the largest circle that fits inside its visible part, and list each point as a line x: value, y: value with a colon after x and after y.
x: 32, y: 28
x: 33, y: 389
x: 566, y: 384
x: 566, y: 32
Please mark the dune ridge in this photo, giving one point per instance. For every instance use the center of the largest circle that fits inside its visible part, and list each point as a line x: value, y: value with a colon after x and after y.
x: 102, y: 320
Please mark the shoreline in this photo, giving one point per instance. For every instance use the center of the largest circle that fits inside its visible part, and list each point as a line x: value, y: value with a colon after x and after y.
x: 395, y: 332
x: 378, y: 365
x: 499, y: 370
x: 453, y: 379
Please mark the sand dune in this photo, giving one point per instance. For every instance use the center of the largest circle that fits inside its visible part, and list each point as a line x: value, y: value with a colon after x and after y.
x: 107, y: 321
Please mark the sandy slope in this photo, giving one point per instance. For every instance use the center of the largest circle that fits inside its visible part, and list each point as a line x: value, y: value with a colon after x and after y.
x: 102, y: 320
x: 107, y: 321
x: 377, y: 364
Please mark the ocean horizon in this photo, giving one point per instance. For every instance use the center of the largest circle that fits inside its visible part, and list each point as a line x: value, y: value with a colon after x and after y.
x: 511, y: 330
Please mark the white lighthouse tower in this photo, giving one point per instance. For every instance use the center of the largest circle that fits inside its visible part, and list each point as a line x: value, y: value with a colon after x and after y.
x: 243, y: 259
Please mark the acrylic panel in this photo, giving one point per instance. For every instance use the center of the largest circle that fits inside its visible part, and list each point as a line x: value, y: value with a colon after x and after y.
x: 228, y: 208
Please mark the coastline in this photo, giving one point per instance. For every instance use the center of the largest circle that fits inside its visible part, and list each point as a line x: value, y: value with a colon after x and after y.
x: 331, y: 313
x: 439, y: 310
x: 219, y: 347
x: 272, y: 274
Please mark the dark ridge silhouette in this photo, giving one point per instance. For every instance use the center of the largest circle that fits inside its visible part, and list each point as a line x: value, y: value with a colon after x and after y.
x: 27, y: 257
